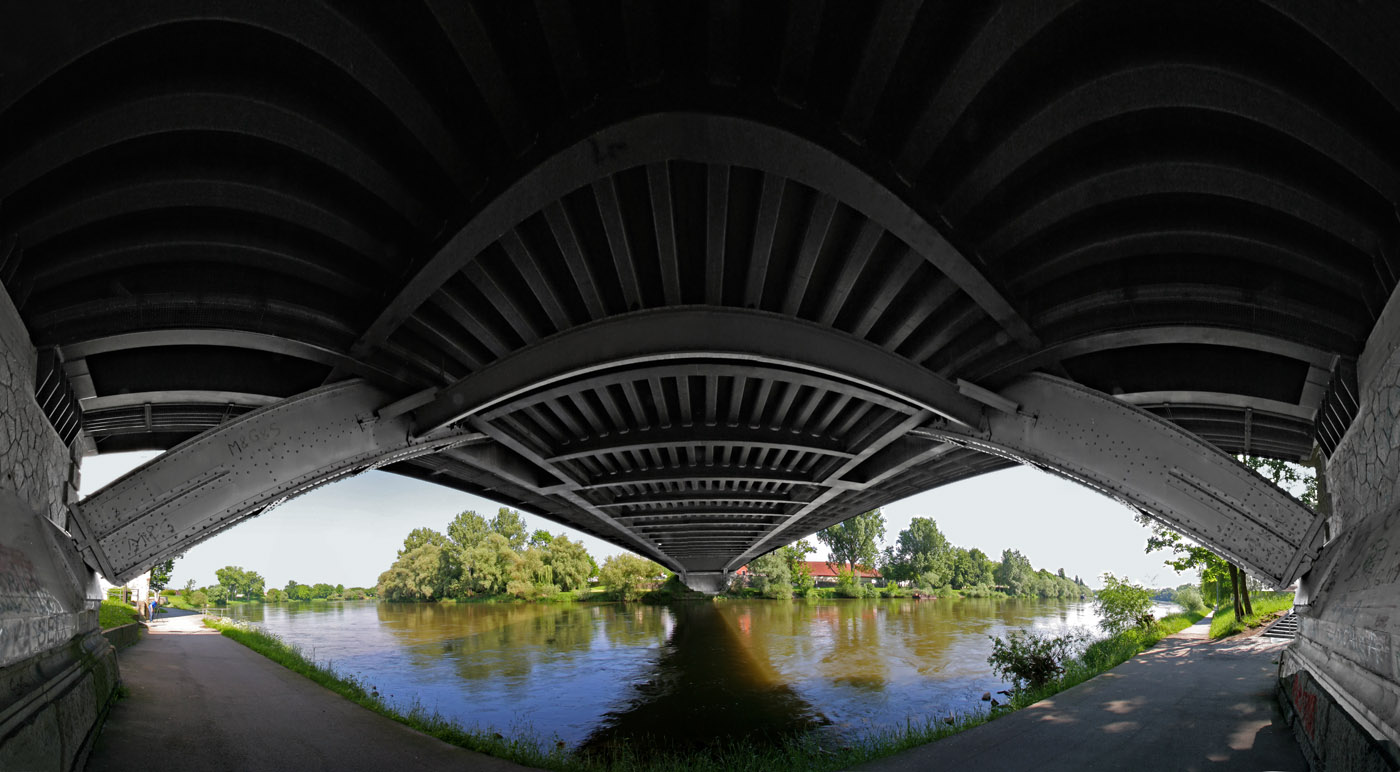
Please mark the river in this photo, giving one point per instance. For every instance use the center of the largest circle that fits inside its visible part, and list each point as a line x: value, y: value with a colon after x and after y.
x: 590, y: 675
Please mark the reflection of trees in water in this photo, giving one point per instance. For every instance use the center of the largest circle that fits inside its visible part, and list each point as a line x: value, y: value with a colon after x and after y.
x: 850, y: 632
x: 634, y: 625
x: 489, y: 640
x: 708, y: 686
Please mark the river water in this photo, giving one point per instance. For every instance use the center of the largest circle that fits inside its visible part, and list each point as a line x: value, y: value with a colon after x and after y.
x: 591, y: 675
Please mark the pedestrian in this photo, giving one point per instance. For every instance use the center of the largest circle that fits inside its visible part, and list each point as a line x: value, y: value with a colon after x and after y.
x: 155, y: 606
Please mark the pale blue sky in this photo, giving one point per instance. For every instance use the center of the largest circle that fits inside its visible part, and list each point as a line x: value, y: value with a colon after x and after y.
x: 348, y: 532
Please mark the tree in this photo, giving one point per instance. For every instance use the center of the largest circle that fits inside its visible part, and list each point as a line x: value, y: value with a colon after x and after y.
x: 1122, y: 605
x: 511, y: 525
x: 922, y: 554
x: 795, y: 555
x: 971, y: 568
x: 468, y: 529
x: 771, y: 576
x: 160, y: 575
x: 625, y: 574
x: 321, y: 590
x: 275, y: 595
x: 217, y: 594
x: 570, y: 563
x: 486, y: 568
x: 1015, y: 573
x: 420, y: 536
x: 424, y: 573
x: 853, y: 541
x: 240, y: 583
x: 541, y: 538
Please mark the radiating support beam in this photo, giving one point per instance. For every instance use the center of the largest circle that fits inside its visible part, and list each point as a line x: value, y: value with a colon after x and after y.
x: 705, y: 139
x: 707, y: 334
x: 1149, y: 463
x: 239, y: 469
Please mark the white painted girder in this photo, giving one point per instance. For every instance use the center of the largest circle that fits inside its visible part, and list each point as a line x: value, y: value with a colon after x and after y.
x: 1140, y: 459
x: 239, y: 469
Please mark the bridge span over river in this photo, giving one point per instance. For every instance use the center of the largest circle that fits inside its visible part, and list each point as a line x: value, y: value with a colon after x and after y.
x: 699, y: 279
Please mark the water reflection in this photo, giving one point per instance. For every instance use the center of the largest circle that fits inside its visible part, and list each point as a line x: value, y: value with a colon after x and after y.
x: 709, y: 684
x: 602, y: 674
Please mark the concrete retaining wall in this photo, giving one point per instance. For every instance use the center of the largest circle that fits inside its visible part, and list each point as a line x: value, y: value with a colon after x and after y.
x: 123, y: 636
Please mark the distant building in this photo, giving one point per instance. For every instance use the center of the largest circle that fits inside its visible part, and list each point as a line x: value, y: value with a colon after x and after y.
x: 134, y: 591
x: 824, y: 574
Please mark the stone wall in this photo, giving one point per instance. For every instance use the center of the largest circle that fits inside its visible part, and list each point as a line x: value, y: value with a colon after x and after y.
x: 57, y: 672
x: 1340, y: 681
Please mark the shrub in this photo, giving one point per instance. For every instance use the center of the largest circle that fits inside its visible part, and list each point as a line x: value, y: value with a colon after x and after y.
x: 1030, y: 660
x: 1123, y: 605
x: 1189, y: 598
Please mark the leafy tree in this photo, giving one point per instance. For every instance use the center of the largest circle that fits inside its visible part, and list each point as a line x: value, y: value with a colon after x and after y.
x: 1122, y: 605
x: 1015, y: 573
x: 624, y: 575
x: 771, y: 576
x: 321, y: 590
x: 424, y: 573
x: 541, y: 538
x: 420, y: 536
x: 486, y: 568
x: 468, y: 529
x: 921, y: 553
x: 240, y: 583
x: 530, y: 576
x: 795, y: 555
x: 511, y: 525
x: 275, y: 595
x: 301, y: 592
x: 217, y: 594
x: 160, y: 575
x: 853, y: 542
x: 570, y: 563
x: 971, y: 568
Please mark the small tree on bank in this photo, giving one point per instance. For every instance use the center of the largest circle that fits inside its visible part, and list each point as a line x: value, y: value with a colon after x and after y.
x: 1123, y: 605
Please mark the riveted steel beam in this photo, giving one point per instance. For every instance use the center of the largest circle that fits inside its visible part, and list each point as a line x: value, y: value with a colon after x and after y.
x: 240, y: 469
x: 1149, y: 463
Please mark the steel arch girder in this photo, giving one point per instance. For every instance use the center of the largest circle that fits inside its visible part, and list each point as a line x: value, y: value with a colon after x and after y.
x: 1148, y: 463
x: 240, y: 469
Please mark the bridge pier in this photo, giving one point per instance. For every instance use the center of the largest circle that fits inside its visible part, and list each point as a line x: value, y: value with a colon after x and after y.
x: 1340, y: 680
x: 57, y: 672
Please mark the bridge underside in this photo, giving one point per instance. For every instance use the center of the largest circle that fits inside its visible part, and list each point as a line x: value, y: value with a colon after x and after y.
x: 700, y: 279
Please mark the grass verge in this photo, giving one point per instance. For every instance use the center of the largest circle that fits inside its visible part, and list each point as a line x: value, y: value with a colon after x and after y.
x: 1266, y: 607
x: 114, y: 613
x: 807, y: 753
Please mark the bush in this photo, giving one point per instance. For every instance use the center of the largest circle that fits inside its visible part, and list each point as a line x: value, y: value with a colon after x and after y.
x: 1189, y: 598
x: 1123, y: 605
x: 1030, y: 660
x: 847, y: 586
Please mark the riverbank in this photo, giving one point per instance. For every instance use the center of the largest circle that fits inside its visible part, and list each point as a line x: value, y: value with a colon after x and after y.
x: 1267, y: 607
x: 806, y: 752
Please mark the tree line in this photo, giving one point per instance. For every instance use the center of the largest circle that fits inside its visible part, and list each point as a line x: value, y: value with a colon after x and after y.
x: 479, y: 557
x: 236, y: 583
x: 921, y: 558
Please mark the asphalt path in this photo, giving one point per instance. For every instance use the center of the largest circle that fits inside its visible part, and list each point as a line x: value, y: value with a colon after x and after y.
x: 1187, y: 704
x: 201, y: 703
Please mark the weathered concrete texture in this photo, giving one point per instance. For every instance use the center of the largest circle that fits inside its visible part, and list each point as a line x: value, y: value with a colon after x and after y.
x: 1346, y: 660
x: 215, y: 705
x: 1188, y: 704
x: 57, y: 672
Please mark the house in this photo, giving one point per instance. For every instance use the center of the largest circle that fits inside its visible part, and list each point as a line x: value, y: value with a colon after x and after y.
x: 824, y: 573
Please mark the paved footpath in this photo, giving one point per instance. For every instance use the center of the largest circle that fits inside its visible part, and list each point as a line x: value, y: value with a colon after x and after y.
x: 1187, y: 704
x: 201, y: 702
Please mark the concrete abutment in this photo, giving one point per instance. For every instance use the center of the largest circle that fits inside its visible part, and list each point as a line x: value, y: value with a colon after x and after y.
x: 57, y: 673
x: 1339, y: 682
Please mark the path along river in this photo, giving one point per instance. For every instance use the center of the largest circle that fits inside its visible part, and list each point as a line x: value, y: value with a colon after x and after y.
x: 591, y: 675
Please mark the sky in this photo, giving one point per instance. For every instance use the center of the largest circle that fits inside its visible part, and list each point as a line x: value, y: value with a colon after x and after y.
x: 348, y: 532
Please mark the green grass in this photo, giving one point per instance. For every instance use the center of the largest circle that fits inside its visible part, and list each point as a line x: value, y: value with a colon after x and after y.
x: 114, y: 613
x: 806, y: 753
x: 1266, y: 605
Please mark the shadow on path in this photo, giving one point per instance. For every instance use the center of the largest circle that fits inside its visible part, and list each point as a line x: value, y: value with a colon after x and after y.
x: 1187, y: 704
